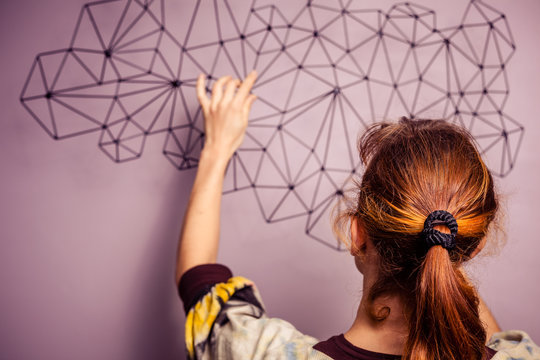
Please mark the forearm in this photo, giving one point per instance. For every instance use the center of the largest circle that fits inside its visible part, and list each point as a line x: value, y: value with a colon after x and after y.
x: 199, y: 238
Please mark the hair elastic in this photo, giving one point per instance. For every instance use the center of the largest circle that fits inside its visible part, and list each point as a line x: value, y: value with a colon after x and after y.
x: 434, y: 237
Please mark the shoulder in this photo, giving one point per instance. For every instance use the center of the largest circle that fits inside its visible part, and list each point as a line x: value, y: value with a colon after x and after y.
x: 514, y: 344
x: 226, y: 319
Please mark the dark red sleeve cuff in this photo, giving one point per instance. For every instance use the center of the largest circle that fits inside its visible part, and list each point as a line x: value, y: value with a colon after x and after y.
x: 198, y: 280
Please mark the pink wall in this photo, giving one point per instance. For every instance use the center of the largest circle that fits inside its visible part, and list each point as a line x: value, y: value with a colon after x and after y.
x: 88, y: 246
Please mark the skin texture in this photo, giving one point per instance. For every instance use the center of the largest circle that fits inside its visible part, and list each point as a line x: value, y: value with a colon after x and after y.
x: 225, y: 121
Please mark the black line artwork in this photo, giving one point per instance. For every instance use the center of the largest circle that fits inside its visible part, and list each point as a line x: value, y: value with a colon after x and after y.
x: 326, y: 72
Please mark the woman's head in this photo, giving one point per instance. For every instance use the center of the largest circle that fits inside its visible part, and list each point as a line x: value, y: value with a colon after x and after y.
x: 413, y: 168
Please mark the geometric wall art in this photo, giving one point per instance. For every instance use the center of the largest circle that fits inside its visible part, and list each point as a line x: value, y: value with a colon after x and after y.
x: 325, y: 73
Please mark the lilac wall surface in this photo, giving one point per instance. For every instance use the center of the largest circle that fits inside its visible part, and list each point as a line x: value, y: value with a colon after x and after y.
x: 88, y: 246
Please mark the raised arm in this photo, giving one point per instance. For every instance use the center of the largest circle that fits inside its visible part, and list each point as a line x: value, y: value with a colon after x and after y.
x: 225, y: 121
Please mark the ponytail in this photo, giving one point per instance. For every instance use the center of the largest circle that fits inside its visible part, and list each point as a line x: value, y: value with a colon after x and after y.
x: 445, y: 322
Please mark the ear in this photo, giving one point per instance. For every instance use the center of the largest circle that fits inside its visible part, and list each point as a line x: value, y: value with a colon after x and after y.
x: 479, y: 247
x: 358, y: 237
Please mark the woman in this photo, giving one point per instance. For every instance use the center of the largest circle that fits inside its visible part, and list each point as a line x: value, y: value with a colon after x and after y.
x: 422, y: 209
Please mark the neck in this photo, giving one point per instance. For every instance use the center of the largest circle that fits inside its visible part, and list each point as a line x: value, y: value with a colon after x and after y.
x: 386, y: 336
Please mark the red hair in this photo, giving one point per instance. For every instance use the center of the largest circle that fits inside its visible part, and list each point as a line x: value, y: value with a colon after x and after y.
x: 413, y: 168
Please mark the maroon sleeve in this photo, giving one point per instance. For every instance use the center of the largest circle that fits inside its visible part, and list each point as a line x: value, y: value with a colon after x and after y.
x: 198, y: 280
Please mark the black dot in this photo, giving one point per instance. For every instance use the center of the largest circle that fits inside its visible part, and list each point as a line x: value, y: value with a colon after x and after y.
x: 162, y: 28
x: 395, y: 86
x: 366, y: 78
x: 448, y: 94
x: 312, y: 150
x: 413, y: 45
x: 504, y: 134
x: 485, y: 91
x: 184, y: 49
x: 499, y: 112
x: 104, y: 126
x: 415, y: 16
x: 344, y: 11
x: 336, y: 90
x: 435, y: 30
x: 347, y: 50
x: 48, y: 95
x: 279, y: 127
x: 446, y: 42
x: 502, y: 66
x: 309, y: 212
x: 420, y: 78
x: 333, y: 65
x: 339, y: 192
x: 490, y: 25
x: 169, y: 129
x: 107, y: 53
x: 283, y: 48
x: 353, y: 171
x: 146, y: 132
x: 461, y: 94
x: 145, y: 7
x: 264, y: 149
x: 120, y: 80
x: 176, y: 83
x: 100, y: 82
x: 156, y: 50
x: 300, y: 66
x: 253, y: 185
x: 269, y: 28
x: 252, y: 10
x: 322, y: 168
x: 456, y: 112
x: 209, y: 76
x: 149, y: 72
x: 380, y: 33
x: 291, y: 187
x: 55, y: 137
x: 289, y: 26
x: 115, y: 141
x: 474, y: 113
x: 480, y: 66
x: 315, y: 33
x: 503, y: 16
x: 460, y: 27
x: 221, y: 42
x: 69, y: 49
x: 115, y: 97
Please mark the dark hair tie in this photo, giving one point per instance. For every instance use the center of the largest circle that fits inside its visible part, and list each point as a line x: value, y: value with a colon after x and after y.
x: 434, y: 237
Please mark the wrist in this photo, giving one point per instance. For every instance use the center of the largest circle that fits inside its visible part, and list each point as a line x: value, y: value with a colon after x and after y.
x: 214, y: 156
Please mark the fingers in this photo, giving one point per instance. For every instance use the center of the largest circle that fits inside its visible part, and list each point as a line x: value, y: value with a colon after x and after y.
x: 245, y: 88
x: 217, y: 90
x: 201, y: 93
x: 230, y: 87
x: 249, y: 101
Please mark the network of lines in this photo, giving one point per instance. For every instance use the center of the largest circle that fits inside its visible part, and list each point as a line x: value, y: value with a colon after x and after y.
x: 326, y: 72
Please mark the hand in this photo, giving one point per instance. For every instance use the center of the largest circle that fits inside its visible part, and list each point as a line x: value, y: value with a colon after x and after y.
x: 226, y: 113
